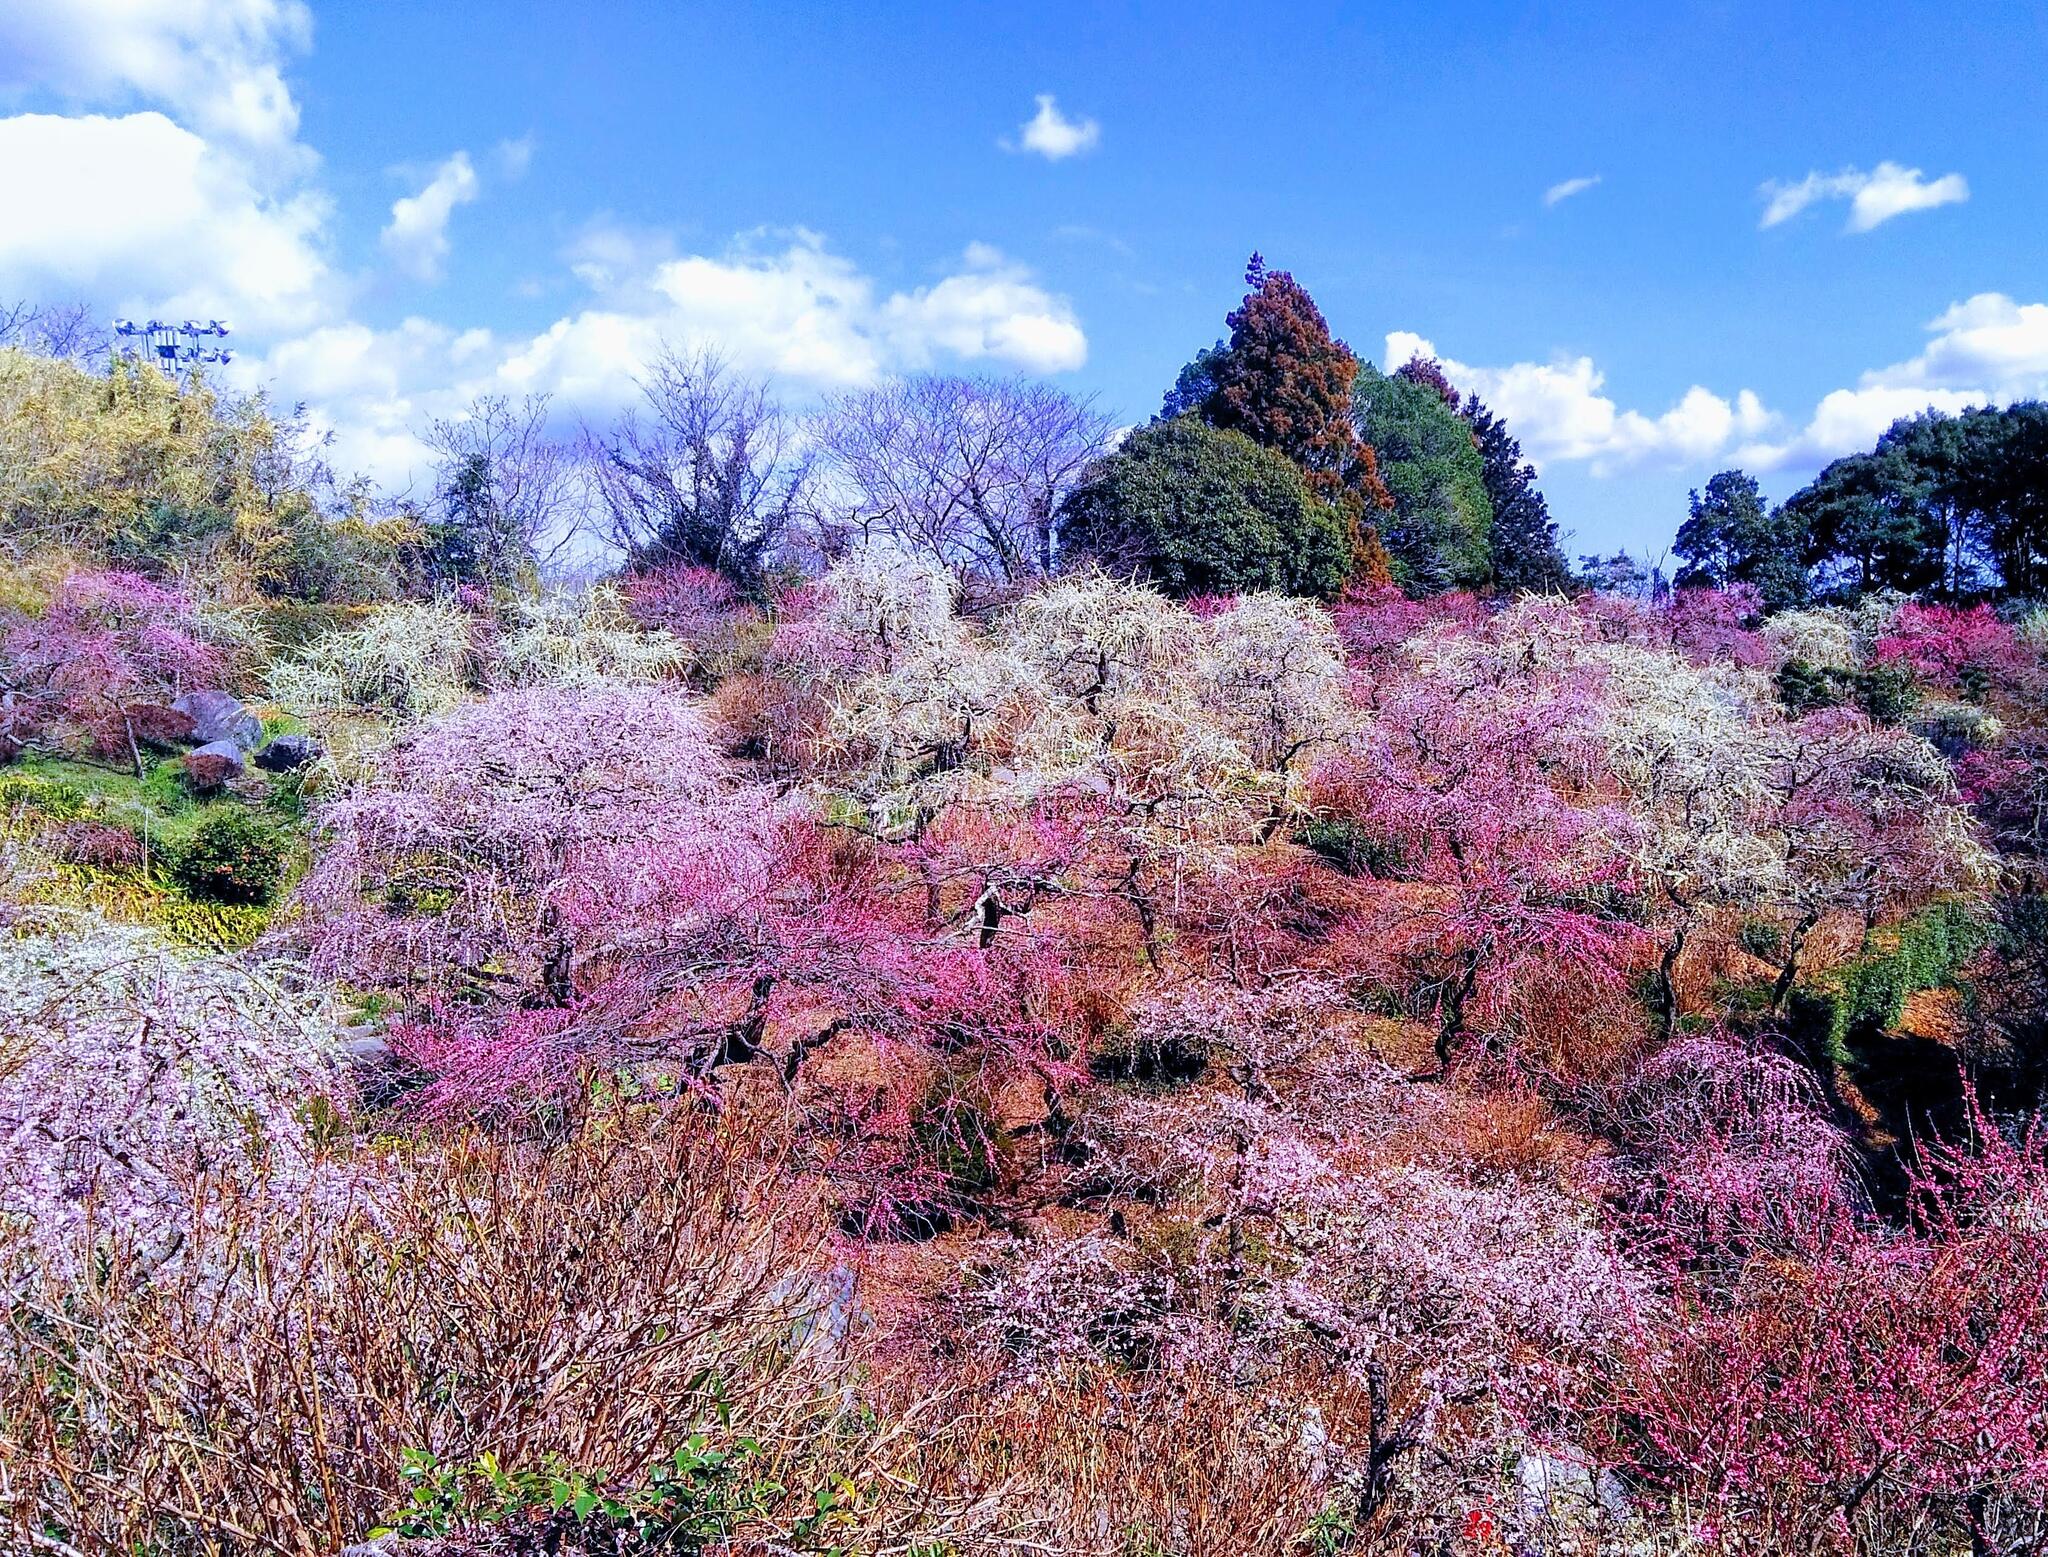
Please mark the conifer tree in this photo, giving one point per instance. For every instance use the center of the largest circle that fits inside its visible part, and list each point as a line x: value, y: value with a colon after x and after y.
x: 1283, y: 380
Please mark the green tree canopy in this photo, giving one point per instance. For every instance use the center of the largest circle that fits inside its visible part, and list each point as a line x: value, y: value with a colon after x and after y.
x: 1525, y: 550
x: 1440, y: 532
x: 1731, y: 536
x: 1199, y: 510
x: 1953, y: 505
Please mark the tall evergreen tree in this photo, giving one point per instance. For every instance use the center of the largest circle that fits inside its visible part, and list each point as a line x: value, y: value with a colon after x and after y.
x: 1194, y: 385
x: 1866, y: 527
x: 1284, y: 381
x: 1429, y: 373
x: 1440, y: 529
x: 1526, y: 554
x: 1948, y: 505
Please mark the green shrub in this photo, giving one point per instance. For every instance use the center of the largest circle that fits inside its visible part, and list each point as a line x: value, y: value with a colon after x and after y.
x: 1353, y: 850
x: 684, y: 1504
x: 1888, y: 694
x: 231, y: 857
x: 1761, y: 939
x: 1804, y: 686
x: 52, y: 799
x: 1867, y: 997
x: 1197, y: 511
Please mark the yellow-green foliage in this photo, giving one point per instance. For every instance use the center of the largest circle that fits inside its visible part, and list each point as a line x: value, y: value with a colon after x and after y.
x: 134, y: 468
x: 1867, y: 997
x: 84, y: 458
x: 130, y: 898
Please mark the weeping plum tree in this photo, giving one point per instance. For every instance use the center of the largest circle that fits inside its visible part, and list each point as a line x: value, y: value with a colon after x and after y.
x: 1470, y: 778
x: 556, y: 879
x: 109, y: 642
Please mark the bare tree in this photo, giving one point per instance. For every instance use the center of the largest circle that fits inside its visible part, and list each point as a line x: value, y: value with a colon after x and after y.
x: 68, y: 330
x: 510, y: 495
x: 709, y: 471
x: 968, y: 470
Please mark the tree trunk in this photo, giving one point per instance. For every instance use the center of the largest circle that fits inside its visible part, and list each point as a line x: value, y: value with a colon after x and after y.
x: 1795, y: 942
x: 1667, y: 988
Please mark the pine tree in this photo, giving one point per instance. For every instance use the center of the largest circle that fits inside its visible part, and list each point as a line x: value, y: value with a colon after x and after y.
x: 1526, y: 555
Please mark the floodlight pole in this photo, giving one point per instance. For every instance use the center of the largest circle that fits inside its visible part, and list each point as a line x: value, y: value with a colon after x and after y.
x: 174, y: 347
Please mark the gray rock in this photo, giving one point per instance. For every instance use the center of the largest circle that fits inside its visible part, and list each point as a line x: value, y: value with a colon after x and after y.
x: 1564, y: 1487
x: 288, y: 753
x: 220, y: 716
x: 212, y: 765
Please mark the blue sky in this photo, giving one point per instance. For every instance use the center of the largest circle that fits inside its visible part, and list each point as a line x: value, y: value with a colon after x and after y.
x: 1791, y: 222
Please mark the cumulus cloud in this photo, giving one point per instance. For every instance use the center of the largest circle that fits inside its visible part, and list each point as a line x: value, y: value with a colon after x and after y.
x: 1985, y: 350
x: 216, y: 65
x: 144, y: 214
x: 783, y: 305
x: 1876, y: 196
x: 174, y: 183
x: 1052, y: 135
x: 416, y: 238
x: 1558, y: 411
x: 189, y: 192
x: 1556, y: 194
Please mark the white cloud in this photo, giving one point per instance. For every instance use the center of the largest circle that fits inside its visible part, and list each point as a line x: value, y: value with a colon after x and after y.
x: 1988, y: 342
x: 1985, y: 350
x: 1886, y: 191
x: 216, y: 65
x: 198, y: 204
x: 144, y: 215
x: 1558, y: 193
x: 1052, y: 135
x: 790, y: 309
x: 204, y: 205
x: 416, y: 237
x: 1558, y: 412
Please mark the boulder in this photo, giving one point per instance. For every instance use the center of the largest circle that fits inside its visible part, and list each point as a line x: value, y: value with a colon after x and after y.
x: 220, y: 716
x: 380, y: 1075
x: 288, y: 753
x: 1564, y: 1488
x: 214, y: 764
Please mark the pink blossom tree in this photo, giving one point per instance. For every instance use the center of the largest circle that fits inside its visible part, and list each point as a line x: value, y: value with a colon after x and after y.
x: 109, y: 641
x: 1952, y: 645
x: 1856, y: 1369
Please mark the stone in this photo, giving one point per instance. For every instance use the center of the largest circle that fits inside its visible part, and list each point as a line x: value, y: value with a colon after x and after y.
x: 1564, y: 1487
x: 289, y: 753
x: 380, y: 1075
x: 220, y: 716
x: 214, y: 764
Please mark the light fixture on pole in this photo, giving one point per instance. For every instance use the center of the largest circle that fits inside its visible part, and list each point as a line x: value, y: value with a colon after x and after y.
x: 172, y: 347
